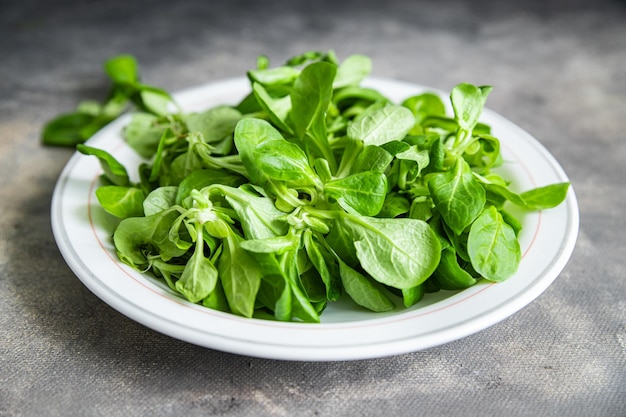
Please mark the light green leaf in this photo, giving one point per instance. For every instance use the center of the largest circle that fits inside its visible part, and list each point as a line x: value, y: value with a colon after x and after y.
x: 284, y: 161
x: 363, y: 291
x: 249, y: 133
x: 259, y: 217
x: 310, y: 98
x: 160, y: 199
x: 240, y: 275
x: 121, y: 201
x: 215, y: 123
x: 401, y: 253
x: 143, y: 133
x: 352, y: 71
x: 493, y: 247
x: 363, y: 192
x: 199, y: 276
x: 122, y: 69
x: 458, y: 196
x: 545, y: 197
x: 385, y: 125
x: 277, y: 108
x: 468, y: 101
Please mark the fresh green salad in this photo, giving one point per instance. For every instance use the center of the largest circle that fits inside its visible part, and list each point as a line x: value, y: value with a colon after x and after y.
x: 310, y: 189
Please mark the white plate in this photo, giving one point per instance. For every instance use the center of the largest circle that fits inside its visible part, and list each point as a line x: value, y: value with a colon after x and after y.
x: 82, y: 231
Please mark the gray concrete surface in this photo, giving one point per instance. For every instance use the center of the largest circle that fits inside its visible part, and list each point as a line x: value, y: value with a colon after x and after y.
x: 559, y: 71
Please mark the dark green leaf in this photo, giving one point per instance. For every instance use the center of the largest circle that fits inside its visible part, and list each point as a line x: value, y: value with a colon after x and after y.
x: 136, y: 238
x: 325, y: 264
x: 114, y: 171
x: 449, y: 274
x: 67, y: 129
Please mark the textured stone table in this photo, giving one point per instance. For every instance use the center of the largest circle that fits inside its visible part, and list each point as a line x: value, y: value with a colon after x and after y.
x: 559, y: 71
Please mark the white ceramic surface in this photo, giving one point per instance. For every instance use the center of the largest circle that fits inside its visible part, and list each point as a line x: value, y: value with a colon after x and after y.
x: 82, y: 231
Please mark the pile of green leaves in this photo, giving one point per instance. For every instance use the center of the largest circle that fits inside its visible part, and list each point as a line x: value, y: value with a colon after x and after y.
x: 311, y: 187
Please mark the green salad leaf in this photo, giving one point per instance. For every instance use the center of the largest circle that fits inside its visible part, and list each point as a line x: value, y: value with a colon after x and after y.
x: 311, y: 189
